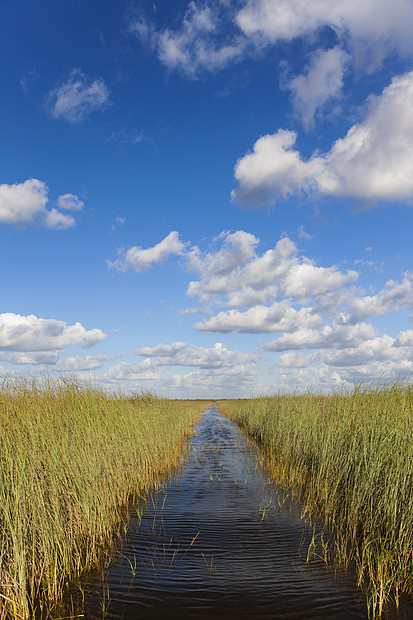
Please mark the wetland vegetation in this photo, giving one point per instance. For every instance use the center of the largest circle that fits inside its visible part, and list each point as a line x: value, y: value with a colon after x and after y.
x: 350, y: 459
x: 71, y: 457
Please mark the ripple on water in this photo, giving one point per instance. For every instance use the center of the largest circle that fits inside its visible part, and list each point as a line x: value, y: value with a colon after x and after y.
x: 218, y: 542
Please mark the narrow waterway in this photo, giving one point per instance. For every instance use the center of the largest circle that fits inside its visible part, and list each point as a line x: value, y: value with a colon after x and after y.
x: 219, y: 541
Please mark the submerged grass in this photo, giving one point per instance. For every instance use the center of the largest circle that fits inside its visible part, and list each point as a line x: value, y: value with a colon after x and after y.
x: 350, y: 457
x: 71, y: 457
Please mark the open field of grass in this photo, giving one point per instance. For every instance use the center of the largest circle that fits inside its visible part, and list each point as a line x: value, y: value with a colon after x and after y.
x: 70, y: 458
x: 350, y: 457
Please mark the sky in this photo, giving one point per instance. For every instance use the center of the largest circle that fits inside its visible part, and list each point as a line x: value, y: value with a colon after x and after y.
x: 207, y: 199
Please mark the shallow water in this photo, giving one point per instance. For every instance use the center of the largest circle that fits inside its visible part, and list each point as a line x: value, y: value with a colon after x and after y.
x: 219, y: 541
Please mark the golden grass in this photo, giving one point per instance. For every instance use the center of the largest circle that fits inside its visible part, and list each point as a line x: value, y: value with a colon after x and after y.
x: 71, y: 457
x: 350, y: 457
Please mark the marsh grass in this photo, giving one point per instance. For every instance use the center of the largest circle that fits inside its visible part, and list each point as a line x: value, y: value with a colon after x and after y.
x: 350, y: 458
x: 71, y: 457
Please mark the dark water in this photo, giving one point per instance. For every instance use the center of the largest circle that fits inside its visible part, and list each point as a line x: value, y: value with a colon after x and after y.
x: 219, y: 541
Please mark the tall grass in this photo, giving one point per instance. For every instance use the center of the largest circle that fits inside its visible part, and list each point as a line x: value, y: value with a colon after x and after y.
x: 70, y: 458
x: 350, y: 456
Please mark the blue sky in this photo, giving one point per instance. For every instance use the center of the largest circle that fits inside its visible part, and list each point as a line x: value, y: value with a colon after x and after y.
x: 207, y: 199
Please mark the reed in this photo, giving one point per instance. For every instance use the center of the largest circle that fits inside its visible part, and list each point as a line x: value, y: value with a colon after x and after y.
x: 350, y: 457
x: 71, y: 457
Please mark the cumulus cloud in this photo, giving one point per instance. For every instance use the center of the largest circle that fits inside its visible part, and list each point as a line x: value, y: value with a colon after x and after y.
x: 133, y: 375
x: 32, y: 334
x: 404, y: 338
x: 237, y: 382
x: 322, y: 82
x: 234, y: 274
x: 378, y: 349
x: 335, y: 335
x: 279, y: 317
x: 237, y: 276
x: 181, y: 354
x: 273, y: 169
x: 57, y: 220
x: 142, y: 259
x: 312, y: 307
x: 306, y: 280
x: 392, y: 298
x: 216, y: 369
x: 212, y: 36
x: 77, y: 363
x: 22, y: 203
x: 26, y: 203
x: 298, y: 372
x: 374, y: 161
x: 34, y: 357
x: 78, y: 97
x: 70, y: 202
x: 373, y: 29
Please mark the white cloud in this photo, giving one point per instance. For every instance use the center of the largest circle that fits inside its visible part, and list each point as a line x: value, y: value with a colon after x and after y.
x: 196, y: 45
x: 33, y: 334
x: 142, y: 259
x: 181, y: 354
x: 218, y: 371
x: 23, y: 203
x: 237, y: 382
x: 336, y: 335
x: 306, y: 280
x: 133, y: 375
x: 214, y: 35
x: 273, y: 169
x: 35, y: 357
x: 374, y: 161
x: 26, y: 203
x: 299, y: 372
x: 405, y: 338
x: 374, y: 29
x: 378, y: 349
x: 162, y: 350
x: 77, y: 363
x: 279, y: 317
x: 237, y: 248
x: 78, y: 97
x: 236, y: 276
x: 392, y: 298
x: 57, y: 220
x: 70, y: 202
x: 322, y: 81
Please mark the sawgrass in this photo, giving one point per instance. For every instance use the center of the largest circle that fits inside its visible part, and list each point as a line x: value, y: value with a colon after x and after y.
x: 71, y: 457
x: 350, y: 458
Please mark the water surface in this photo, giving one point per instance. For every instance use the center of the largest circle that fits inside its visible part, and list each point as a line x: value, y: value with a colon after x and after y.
x: 219, y: 541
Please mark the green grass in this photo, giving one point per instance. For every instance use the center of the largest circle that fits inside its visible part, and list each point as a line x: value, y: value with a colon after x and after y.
x: 71, y: 457
x: 350, y: 458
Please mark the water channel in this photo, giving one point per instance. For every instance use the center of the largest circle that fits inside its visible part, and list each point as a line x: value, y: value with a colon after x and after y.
x: 219, y: 541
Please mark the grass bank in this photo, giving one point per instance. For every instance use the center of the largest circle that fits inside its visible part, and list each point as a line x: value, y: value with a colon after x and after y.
x: 70, y: 458
x: 350, y: 457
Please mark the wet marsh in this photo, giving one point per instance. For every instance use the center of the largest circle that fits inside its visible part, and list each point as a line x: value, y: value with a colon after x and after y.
x: 219, y: 540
